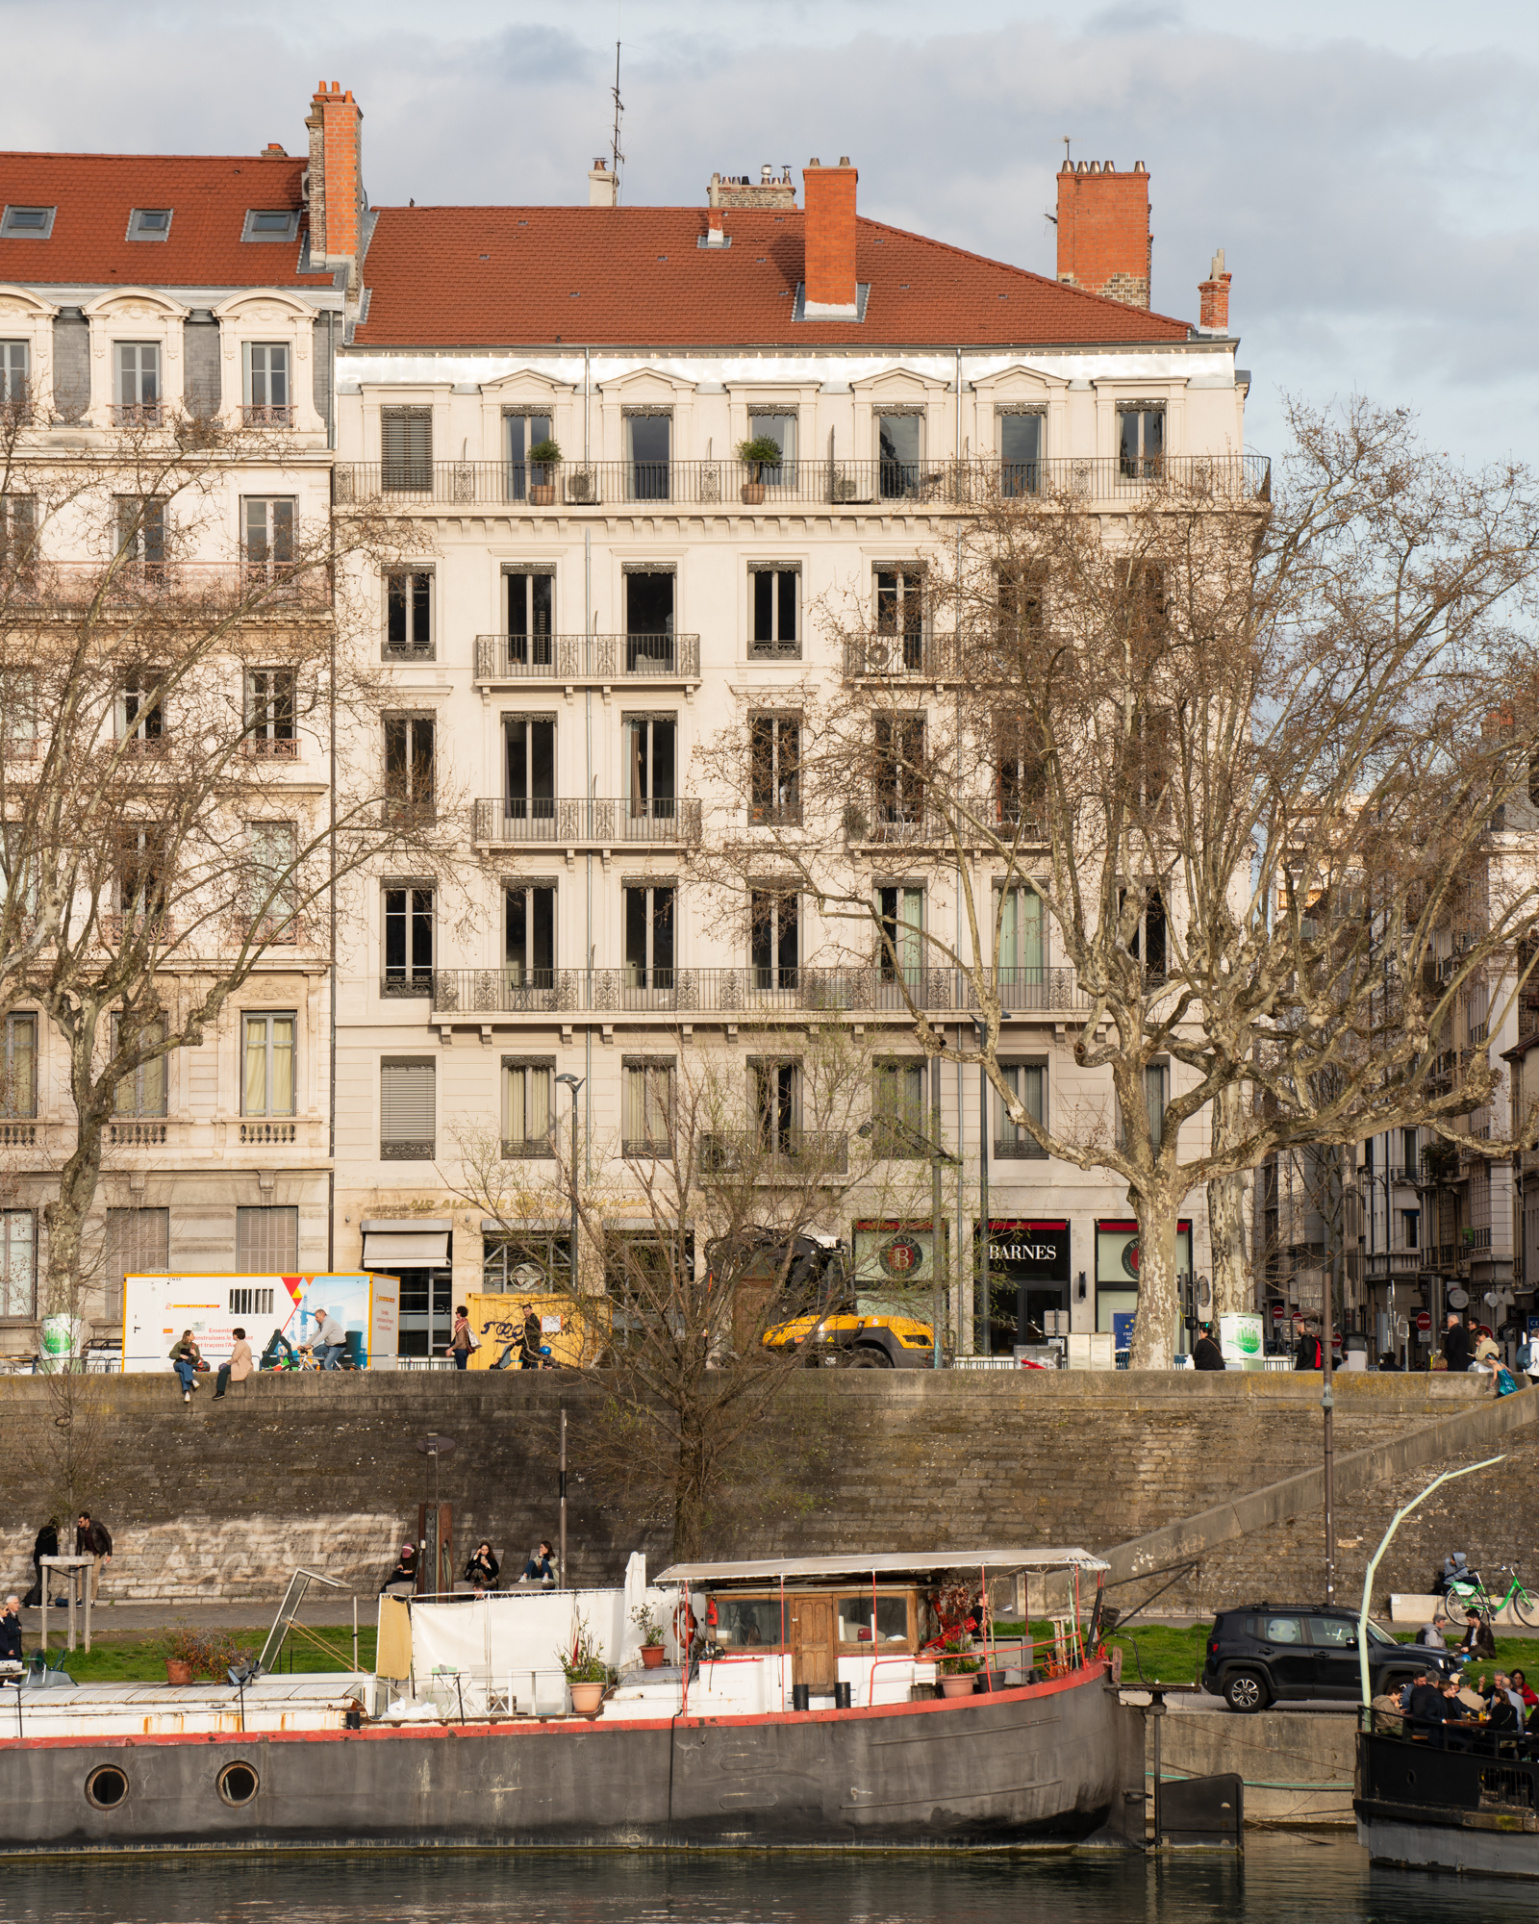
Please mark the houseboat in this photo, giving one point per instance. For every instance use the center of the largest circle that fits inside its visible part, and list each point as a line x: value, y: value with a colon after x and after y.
x: 1471, y: 1810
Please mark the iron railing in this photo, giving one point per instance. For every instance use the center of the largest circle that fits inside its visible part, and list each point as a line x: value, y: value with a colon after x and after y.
x: 571, y: 822
x: 272, y: 414
x: 774, y: 1155
x: 730, y: 483
x: 528, y: 1149
x: 889, y: 824
x: 752, y: 993
x: 587, y: 657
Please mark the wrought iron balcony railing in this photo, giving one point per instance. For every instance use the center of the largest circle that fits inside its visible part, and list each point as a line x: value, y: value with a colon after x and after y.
x: 576, y: 822
x: 587, y: 657
x: 774, y: 1155
x: 888, y: 824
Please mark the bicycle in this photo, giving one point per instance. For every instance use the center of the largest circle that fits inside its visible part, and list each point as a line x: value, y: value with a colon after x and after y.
x: 1474, y: 1594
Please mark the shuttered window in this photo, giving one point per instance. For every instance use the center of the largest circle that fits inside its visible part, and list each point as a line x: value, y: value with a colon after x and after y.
x: 267, y: 1242
x: 137, y: 1240
x: 406, y: 450
x: 526, y: 1088
x: 406, y: 1109
x: 648, y: 1120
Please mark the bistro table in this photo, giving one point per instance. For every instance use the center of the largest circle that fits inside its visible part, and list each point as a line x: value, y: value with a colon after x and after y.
x: 76, y: 1572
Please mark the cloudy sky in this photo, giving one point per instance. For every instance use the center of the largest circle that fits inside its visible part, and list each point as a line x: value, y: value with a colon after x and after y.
x: 1368, y: 165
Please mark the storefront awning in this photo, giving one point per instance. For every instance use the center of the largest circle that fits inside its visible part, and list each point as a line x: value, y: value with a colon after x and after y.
x: 397, y: 1249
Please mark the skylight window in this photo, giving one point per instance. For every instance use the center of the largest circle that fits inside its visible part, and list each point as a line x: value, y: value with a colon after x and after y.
x: 27, y: 223
x: 271, y: 224
x: 149, y: 224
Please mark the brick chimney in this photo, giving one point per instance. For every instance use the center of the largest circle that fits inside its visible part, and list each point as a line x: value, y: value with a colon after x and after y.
x: 1214, y: 313
x: 603, y: 188
x: 335, y: 122
x: 1103, y: 230
x: 737, y: 190
x: 829, y: 291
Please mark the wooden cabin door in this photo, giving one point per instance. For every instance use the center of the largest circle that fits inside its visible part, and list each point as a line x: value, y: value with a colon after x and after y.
x: 814, y: 1658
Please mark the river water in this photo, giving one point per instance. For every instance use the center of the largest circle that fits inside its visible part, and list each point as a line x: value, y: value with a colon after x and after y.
x: 1319, y: 1879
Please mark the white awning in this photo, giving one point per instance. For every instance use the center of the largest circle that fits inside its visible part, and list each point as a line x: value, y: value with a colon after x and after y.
x: 913, y: 1563
x: 421, y: 1249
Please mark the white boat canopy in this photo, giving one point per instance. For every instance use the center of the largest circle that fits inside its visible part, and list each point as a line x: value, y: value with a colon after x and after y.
x: 896, y: 1564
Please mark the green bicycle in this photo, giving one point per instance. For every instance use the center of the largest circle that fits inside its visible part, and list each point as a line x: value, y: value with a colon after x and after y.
x: 1474, y: 1593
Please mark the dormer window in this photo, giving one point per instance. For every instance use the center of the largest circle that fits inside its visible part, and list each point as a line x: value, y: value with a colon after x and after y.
x: 271, y: 224
x: 27, y: 223
x: 149, y: 224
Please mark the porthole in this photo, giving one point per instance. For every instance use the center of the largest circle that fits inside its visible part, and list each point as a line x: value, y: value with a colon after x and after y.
x: 237, y: 1783
x: 106, y: 1787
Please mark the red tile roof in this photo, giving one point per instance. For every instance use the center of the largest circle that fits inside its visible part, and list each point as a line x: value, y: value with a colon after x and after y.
x: 210, y: 196
x: 634, y: 276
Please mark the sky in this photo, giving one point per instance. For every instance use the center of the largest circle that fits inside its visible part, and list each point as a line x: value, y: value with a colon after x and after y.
x: 1367, y: 166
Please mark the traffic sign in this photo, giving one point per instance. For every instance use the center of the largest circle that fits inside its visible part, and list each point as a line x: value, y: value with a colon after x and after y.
x: 1423, y: 1320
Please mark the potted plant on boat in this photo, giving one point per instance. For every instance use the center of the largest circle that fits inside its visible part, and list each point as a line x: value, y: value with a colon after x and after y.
x: 958, y: 1668
x: 587, y: 1674
x: 651, y: 1627
x: 543, y: 456
x: 760, y: 453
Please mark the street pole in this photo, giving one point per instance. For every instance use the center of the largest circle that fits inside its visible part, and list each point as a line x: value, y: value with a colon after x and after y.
x: 983, y: 1211
x: 936, y: 1301
x: 1327, y: 1399
x: 562, y: 1486
x: 574, y: 1083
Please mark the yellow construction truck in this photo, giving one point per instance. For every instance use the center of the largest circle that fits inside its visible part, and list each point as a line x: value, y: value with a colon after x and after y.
x: 801, y: 1287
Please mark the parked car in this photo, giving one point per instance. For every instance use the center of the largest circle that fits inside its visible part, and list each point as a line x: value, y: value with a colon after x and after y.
x: 1263, y: 1653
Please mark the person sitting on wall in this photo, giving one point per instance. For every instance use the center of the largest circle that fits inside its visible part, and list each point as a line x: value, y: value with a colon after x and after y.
x: 237, y: 1369
x: 540, y: 1568
x: 483, y: 1569
x: 405, y: 1571
x: 1207, y: 1355
x: 186, y: 1360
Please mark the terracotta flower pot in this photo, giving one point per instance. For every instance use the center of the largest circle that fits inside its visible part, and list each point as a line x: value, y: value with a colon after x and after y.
x: 543, y: 496
x: 753, y: 494
x: 652, y: 1656
x: 586, y: 1698
x: 958, y: 1686
x: 178, y: 1673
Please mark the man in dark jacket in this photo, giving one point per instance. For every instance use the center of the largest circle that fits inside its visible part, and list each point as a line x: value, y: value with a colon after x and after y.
x: 44, y: 1544
x: 1426, y: 1711
x: 93, y: 1539
x: 1307, y: 1353
x: 1207, y: 1355
x: 1456, y: 1343
x: 10, y: 1632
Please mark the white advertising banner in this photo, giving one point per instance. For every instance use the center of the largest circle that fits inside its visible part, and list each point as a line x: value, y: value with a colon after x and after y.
x: 158, y: 1308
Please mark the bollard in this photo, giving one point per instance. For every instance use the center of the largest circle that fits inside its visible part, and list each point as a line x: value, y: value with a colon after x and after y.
x: 841, y: 1696
x: 801, y: 1696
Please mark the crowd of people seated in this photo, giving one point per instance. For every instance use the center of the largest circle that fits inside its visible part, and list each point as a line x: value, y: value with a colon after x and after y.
x: 1495, y: 1713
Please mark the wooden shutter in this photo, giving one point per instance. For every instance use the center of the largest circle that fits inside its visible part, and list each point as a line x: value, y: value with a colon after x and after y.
x: 406, y: 1109
x: 406, y: 449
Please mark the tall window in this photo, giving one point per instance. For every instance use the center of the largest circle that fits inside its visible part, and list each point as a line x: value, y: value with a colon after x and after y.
x: 898, y: 1109
x: 647, y: 1124
x: 774, y: 595
x: 141, y: 875
x: 531, y: 601
x: 530, y: 750
x: 900, y: 615
x: 900, y: 749
x: 774, y: 938
x: 18, y: 1263
x: 18, y: 1071
x: 142, y: 532
x: 406, y: 450
x: 649, y: 622
x: 268, y: 1082
x: 1156, y: 1087
x: 781, y: 429
x: 1022, y: 605
x: 141, y: 717
x: 774, y: 768
x: 138, y: 1243
x: 1022, y: 948
x: 270, y: 713
x: 408, y: 940
x: 1020, y: 454
x: 267, y: 1241
x: 271, y: 855
x: 526, y: 1107
x: 651, y: 744
x: 899, y: 451
x: 648, y: 911
x: 137, y: 369
x: 19, y: 732
x: 648, y: 448
x: 407, y: 1101
x: 529, y: 939
x: 777, y: 1099
x: 1028, y: 1083
x: 18, y: 537
x: 142, y: 1092
x: 266, y: 379
x: 901, y: 953
x: 1141, y: 442
x: 1018, y: 778
x: 526, y: 432
x: 15, y: 377
x: 1148, y: 942
x: 269, y: 532
x: 409, y: 615
x: 409, y: 767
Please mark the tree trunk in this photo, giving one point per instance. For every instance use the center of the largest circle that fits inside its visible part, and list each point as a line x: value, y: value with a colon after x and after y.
x: 63, y: 1279
x: 689, y: 1493
x: 1158, y: 1303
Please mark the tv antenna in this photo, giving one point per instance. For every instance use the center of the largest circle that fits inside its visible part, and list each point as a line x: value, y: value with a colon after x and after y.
x: 614, y: 140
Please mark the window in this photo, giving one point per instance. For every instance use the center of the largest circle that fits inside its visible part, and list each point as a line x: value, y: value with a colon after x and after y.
x: 535, y: 1260
x: 15, y: 374
x: 774, y: 593
x: 1141, y: 441
x: 1028, y: 1083
x: 529, y: 743
x: 266, y: 1243
x: 137, y: 366
x: 901, y: 912
x: 900, y: 612
x: 648, y: 447
x: 406, y: 1109
x: 138, y: 1242
x: 1409, y: 1151
x: 647, y: 1125
x: 891, y: 1619
x: 1148, y: 939
x: 774, y: 937
x: 249, y: 1299
x: 27, y: 223
x: 898, y: 1108
x: 1410, y: 1229
x: 143, y: 1091
x: 269, y: 532
x: 408, y: 940
x: 651, y: 742
x: 774, y: 768
x: 18, y: 1263
x: 777, y: 1100
x: 149, y: 224
x: 141, y: 716
x: 268, y: 1080
x: 1022, y: 605
x: 141, y: 881
x: 649, y: 616
x: 899, y: 452
x: 406, y: 450
x: 1280, y: 1630
x: 781, y: 429
x: 409, y: 616
x: 1022, y: 948
x: 409, y: 765
x: 899, y: 776
x: 142, y: 533
x: 270, y: 713
x: 18, y: 1071
x: 525, y: 433
x: 529, y: 936
x: 1018, y: 779
x: 526, y: 1107
x: 265, y: 379
x: 531, y: 621
x: 18, y: 714
x: 271, y: 855
x: 1156, y: 1082
x: 1020, y: 454
x: 648, y: 915
x: 271, y: 224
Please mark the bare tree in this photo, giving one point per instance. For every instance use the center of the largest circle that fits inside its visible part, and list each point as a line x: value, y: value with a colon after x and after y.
x: 1214, y: 776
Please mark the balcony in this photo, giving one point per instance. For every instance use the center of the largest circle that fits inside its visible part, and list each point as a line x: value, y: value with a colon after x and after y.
x: 260, y: 1133
x: 137, y: 414
x: 789, y: 1155
x: 271, y: 931
x: 18, y: 1135
x: 138, y: 1133
x: 746, y: 994
x: 576, y: 822
x: 905, y: 824
x: 528, y: 1149
x: 273, y: 415
x: 733, y: 485
x: 583, y: 658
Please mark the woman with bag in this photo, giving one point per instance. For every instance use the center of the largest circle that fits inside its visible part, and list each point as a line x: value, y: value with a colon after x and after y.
x: 461, y: 1343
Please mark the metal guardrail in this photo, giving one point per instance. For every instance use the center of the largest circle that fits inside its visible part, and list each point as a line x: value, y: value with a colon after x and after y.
x: 587, y: 658
x: 735, y: 484
x: 573, y: 822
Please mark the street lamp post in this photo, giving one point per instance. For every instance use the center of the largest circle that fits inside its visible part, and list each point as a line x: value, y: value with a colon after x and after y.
x: 574, y: 1083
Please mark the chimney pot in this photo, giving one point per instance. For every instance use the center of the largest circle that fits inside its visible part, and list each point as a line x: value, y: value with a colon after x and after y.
x: 829, y: 231
x: 814, y: 162
x: 1213, y: 315
x: 1103, y: 231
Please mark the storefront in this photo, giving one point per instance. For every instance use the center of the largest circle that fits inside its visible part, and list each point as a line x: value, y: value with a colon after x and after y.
x: 419, y: 1252
x: 895, y: 1266
x: 1028, y: 1279
x: 1116, y: 1278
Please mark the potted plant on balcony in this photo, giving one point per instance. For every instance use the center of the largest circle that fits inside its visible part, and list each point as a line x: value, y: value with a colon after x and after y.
x: 587, y: 1674
x: 958, y: 1668
x: 543, y: 456
x: 650, y: 1625
x: 760, y: 453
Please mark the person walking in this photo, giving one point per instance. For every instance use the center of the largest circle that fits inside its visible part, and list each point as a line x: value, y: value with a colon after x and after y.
x: 330, y: 1341
x: 534, y: 1342
x: 1307, y: 1353
x: 44, y: 1544
x: 461, y: 1342
x: 93, y: 1539
x: 186, y: 1360
x: 237, y: 1369
x: 1456, y: 1343
x: 1207, y: 1355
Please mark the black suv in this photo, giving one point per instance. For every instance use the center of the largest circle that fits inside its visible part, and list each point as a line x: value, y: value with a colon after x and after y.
x: 1261, y: 1652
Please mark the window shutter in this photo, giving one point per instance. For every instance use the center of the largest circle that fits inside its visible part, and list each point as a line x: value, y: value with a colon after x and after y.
x: 406, y: 449
x: 267, y: 1241
x: 406, y: 1104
